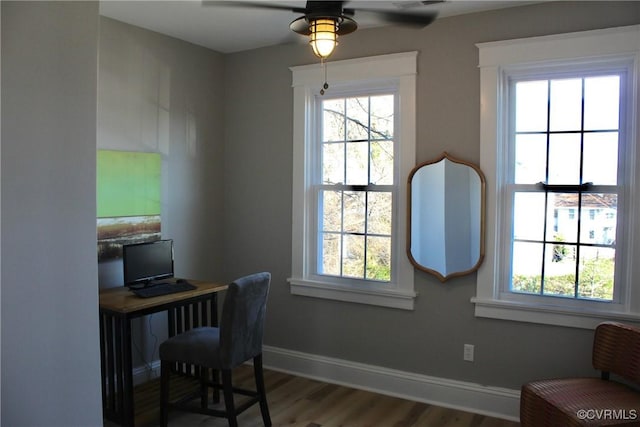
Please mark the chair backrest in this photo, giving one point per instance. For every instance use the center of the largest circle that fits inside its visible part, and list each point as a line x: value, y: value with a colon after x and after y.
x: 242, y: 319
x: 616, y: 349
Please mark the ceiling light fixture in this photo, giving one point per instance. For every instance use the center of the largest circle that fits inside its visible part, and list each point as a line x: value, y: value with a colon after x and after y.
x: 323, y: 26
x: 324, y: 21
x: 323, y: 37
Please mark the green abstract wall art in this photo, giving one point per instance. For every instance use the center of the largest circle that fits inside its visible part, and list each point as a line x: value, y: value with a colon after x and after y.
x: 128, y: 200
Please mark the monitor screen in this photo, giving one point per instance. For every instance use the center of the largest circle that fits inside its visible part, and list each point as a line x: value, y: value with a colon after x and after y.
x: 144, y: 262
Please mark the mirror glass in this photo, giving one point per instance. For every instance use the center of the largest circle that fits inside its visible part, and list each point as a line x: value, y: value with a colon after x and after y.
x: 446, y: 224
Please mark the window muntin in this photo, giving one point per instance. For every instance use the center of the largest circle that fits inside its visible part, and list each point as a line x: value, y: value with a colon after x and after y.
x: 356, y: 192
x: 564, y: 174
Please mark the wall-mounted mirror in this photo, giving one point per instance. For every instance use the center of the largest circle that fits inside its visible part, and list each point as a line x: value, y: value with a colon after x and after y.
x: 446, y: 217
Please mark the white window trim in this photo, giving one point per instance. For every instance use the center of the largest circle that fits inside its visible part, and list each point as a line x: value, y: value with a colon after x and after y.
x: 401, y: 70
x: 496, y: 58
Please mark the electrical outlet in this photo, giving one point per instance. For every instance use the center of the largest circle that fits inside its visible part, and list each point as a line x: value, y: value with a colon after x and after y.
x: 468, y: 352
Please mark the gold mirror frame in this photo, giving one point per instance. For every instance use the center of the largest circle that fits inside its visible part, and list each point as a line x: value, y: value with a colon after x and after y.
x: 446, y: 187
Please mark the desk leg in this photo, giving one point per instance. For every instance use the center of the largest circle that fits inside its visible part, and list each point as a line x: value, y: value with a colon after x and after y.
x: 111, y: 366
x: 214, y: 322
x: 127, y: 374
x: 103, y: 365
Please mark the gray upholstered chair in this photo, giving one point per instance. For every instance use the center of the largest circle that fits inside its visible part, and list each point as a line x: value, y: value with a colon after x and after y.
x: 238, y: 339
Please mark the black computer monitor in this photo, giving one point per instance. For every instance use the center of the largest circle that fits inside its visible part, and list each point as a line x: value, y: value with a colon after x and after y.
x: 145, y: 262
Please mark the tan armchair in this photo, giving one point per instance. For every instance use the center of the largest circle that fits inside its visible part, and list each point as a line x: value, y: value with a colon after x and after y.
x: 591, y: 401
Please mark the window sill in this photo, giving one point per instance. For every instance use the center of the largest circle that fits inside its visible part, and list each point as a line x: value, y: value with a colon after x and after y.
x: 386, y: 298
x: 521, y: 312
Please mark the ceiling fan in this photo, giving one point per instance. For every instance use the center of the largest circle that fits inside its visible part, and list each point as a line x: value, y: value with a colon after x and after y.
x: 324, y: 21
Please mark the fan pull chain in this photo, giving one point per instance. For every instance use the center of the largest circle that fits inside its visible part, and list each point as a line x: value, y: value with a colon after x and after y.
x: 324, y: 68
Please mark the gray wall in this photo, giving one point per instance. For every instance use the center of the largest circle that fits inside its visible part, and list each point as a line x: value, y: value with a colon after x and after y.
x: 50, y: 351
x: 159, y: 94
x: 258, y: 170
x: 230, y: 200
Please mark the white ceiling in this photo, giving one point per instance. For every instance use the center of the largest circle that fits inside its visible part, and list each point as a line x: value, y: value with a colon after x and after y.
x: 230, y: 29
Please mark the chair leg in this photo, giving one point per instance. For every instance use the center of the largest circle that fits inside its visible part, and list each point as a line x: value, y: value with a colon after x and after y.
x: 262, y: 393
x: 215, y: 378
x: 165, y: 372
x: 227, y: 391
x: 204, y: 387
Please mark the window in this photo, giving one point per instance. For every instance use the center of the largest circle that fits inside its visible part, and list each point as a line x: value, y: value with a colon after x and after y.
x: 565, y: 134
x: 558, y: 145
x: 353, y: 148
x: 356, y: 192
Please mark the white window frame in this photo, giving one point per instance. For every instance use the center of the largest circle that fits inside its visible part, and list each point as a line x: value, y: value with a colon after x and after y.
x: 499, y: 61
x: 395, y: 70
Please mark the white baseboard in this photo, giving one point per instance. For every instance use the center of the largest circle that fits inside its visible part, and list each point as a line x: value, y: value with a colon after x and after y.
x: 492, y: 401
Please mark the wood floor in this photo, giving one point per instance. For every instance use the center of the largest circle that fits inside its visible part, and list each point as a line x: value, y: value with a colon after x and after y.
x: 302, y: 402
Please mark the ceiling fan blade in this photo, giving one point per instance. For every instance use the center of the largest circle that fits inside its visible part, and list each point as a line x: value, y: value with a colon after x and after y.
x: 412, y: 4
x: 409, y: 19
x: 253, y: 5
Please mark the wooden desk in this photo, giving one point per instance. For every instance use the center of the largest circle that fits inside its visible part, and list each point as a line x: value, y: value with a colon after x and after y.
x: 118, y: 306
